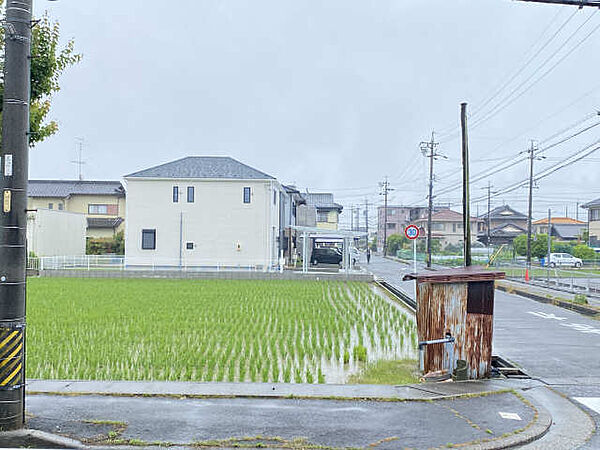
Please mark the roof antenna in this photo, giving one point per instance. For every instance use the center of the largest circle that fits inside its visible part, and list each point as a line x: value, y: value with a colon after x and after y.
x: 79, y: 161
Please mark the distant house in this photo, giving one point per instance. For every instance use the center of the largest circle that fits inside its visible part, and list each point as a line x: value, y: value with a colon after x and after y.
x: 203, y: 211
x: 593, y: 223
x: 398, y: 217
x: 102, y: 202
x: 328, y: 212
x: 562, y: 228
x: 505, y: 225
x: 447, y: 227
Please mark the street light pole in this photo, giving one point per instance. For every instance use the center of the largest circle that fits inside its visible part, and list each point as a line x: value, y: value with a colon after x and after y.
x: 13, y: 218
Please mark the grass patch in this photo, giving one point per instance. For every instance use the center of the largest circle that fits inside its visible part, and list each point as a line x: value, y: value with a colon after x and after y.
x: 209, y: 330
x: 388, y: 372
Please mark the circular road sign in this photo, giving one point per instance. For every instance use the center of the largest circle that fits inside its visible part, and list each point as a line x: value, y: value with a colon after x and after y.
x: 411, y: 232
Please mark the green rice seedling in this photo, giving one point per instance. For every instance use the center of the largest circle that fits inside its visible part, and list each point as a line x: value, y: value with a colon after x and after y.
x: 309, y: 377
x: 298, y: 376
x: 360, y: 353
x: 346, y: 356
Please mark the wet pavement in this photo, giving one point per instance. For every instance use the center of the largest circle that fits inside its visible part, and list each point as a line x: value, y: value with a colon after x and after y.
x: 279, y: 422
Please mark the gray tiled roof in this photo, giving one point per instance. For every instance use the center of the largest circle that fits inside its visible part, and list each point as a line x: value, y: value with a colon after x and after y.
x: 203, y: 167
x: 569, y: 231
x: 593, y: 203
x: 509, y: 213
x: 64, y: 188
x: 322, y: 200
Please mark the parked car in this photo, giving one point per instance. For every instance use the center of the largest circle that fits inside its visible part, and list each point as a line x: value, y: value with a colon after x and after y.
x: 564, y: 259
x: 326, y: 255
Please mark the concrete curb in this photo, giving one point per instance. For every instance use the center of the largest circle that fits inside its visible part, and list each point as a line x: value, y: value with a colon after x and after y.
x: 582, y: 309
x: 36, y: 439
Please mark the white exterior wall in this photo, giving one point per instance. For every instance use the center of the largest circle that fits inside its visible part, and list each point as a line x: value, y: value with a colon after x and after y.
x: 56, y: 233
x: 224, y: 230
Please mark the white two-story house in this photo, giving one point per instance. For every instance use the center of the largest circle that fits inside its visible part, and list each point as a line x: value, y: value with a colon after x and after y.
x: 202, y: 211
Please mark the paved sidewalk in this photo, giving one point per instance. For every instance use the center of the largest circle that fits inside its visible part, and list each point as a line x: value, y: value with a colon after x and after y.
x: 230, y: 414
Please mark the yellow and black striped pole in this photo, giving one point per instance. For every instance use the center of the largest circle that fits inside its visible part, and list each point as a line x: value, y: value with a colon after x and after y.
x: 13, y: 216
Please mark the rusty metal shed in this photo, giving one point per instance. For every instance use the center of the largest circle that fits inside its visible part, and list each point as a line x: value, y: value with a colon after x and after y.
x: 460, y: 302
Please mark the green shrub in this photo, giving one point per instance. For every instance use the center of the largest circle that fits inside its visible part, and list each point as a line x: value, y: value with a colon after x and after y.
x: 580, y: 299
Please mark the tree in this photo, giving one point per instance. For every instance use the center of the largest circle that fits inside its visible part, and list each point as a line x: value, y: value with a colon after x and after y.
x: 520, y: 244
x: 48, y: 61
x: 584, y: 252
x: 395, y: 242
x: 539, y: 245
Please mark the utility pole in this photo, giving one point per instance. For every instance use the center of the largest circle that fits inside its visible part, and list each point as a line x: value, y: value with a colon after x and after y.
x: 13, y: 219
x: 466, y: 197
x: 488, y: 224
x: 352, y: 218
x: 531, y: 151
x: 578, y: 3
x: 549, y: 247
x: 367, y: 220
x: 429, y: 150
x: 385, y: 189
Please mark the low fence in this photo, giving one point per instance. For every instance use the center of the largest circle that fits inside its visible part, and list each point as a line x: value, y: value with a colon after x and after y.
x: 117, y: 266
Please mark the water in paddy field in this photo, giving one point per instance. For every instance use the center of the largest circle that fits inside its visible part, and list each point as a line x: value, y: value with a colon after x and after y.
x: 384, y: 345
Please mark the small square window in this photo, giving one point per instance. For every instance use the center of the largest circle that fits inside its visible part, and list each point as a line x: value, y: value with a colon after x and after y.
x: 50, y: 205
x: 61, y: 206
x: 189, y: 246
x: 148, y: 239
x: 190, y: 194
x: 175, y: 194
x: 246, y: 195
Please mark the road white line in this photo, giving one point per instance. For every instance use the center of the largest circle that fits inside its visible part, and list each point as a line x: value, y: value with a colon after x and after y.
x: 591, y: 402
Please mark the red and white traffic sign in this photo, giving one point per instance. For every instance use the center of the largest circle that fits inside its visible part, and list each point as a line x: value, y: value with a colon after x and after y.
x: 411, y: 232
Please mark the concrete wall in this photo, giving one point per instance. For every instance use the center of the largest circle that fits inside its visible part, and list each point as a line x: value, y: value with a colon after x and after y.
x: 79, y: 204
x: 56, y: 233
x: 221, y: 227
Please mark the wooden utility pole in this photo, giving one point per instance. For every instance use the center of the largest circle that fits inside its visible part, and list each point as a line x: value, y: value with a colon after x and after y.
x: 549, y: 246
x: 466, y: 199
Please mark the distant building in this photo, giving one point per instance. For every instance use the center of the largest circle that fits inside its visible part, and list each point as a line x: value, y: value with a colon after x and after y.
x: 327, y: 211
x: 447, y: 227
x: 505, y: 225
x: 562, y: 228
x: 398, y: 217
x: 593, y: 223
x: 102, y: 202
x: 203, y: 211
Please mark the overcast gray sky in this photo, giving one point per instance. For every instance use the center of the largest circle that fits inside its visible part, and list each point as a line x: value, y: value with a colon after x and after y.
x: 330, y: 95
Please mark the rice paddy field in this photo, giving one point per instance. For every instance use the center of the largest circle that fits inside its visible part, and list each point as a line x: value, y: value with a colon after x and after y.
x: 211, y: 330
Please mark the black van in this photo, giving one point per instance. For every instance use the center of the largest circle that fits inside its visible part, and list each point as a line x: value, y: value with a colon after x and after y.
x: 326, y: 255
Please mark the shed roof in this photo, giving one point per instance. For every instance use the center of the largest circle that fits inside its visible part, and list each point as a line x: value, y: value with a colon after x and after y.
x: 222, y: 167
x: 457, y: 275
x: 559, y: 220
x: 65, y: 188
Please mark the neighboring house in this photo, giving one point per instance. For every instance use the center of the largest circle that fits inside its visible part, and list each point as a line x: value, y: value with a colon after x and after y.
x: 55, y: 233
x: 102, y: 202
x: 202, y: 211
x: 593, y: 224
x: 292, y: 205
x: 398, y: 218
x: 505, y: 225
x: 562, y: 228
x: 328, y: 212
x: 447, y: 227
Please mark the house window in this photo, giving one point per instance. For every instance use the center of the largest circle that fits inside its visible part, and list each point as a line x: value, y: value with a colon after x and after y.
x: 148, y: 239
x: 97, y: 209
x: 61, y: 206
x: 175, y: 194
x: 190, y: 194
x: 50, y: 205
x: 322, y: 217
x: 189, y: 246
x: 274, y: 197
x: 437, y: 226
x: 246, y: 195
x: 594, y: 215
x: 391, y: 226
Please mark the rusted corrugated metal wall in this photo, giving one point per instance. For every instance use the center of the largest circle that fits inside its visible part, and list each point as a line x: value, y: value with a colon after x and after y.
x: 457, y: 308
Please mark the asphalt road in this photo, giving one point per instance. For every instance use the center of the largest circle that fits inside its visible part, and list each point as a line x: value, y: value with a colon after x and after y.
x: 560, y: 347
x: 341, y: 423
